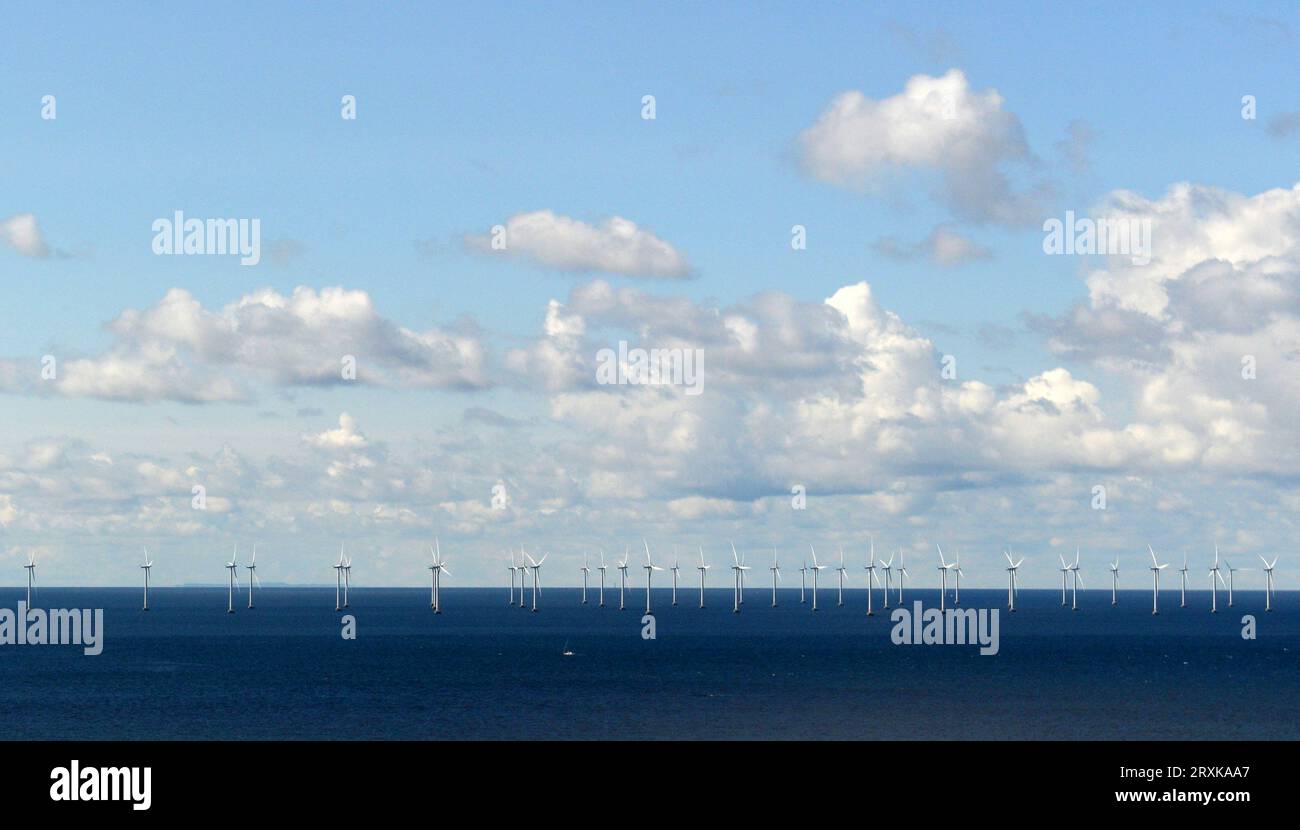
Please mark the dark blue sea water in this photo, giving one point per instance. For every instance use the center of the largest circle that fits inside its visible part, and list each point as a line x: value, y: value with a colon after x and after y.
x: 188, y: 670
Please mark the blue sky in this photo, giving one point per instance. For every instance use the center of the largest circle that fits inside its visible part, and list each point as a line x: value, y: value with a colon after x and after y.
x: 470, y: 115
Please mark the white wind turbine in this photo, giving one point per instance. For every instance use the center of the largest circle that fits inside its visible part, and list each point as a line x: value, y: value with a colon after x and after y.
x: 1214, y: 586
x: 1114, y: 580
x: 232, y: 566
x: 803, y: 582
x: 650, y: 568
x: 841, y: 570
x: 338, y: 579
x: 676, y: 569
x: 1013, y: 567
x: 602, y: 577
x: 944, y: 567
x: 347, y: 580
x: 702, y: 568
x: 1231, y: 579
x: 1065, y: 570
x: 252, y: 575
x: 957, y: 574
x: 586, y: 570
x: 437, y: 567
x: 148, y: 563
x: 871, y: 577
x: 1183, y: 573
x: 1156, y: 568
x: 1076, y: 582
x: 536, y: 567
x: 31, y: 575
x: 513, y: 568
x: 622, y: 585
x: 739, y: 567
x: 1268, y: 582
x: 776, y: 574
x: 902, y: 575
x: 816, y: 568
x: 887, y: 567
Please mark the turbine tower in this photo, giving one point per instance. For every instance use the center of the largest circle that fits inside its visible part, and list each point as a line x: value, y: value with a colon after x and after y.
x: 676, y: 569
x: 703, y: 566
x: 252, y: 575
x: 902, y: 574
x: 1268, y: 582
x: 841, y: 570
x: 602, y: 577
x: 347, y: 580
x: 871, y: 576
x: 232, y: 566
x: 803, y: 582
x: 1065, y: 570
x: 437, y: 567
x: 512, y: 568
x: 1214, y: 586
x: 1013, y: 567
x: 650, y: 568
x: 1156, y: 568
x: 1231, y: 579
x: 586, y: 570
x: 739, y: 567
x: 536, y: 567
x: 816, y: 568
x: 1076, y: 582
x: 887, y: 567
x: 622, y: 585
x: 776, y: 574
x: 145, y: 567
x: 957, y: 574
x: 338, y: 580
x: 1114, y: 580
x: 944, y: 567
x: 1182, y: 572
x: 31, y: 575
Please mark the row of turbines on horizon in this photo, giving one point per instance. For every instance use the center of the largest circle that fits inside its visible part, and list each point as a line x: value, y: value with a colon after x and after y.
x: 1071, y: 579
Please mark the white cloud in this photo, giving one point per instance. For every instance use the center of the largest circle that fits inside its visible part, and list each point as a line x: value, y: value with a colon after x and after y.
x: 936, y: 124
x: 614, y: 246
x: 944, y: 247
x: 22, y: 233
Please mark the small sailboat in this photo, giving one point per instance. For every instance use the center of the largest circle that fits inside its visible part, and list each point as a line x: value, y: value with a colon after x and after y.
x: 568, y: 652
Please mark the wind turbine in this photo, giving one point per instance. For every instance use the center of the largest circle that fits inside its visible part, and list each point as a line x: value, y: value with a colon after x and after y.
x: 602, y: 577
x: 347, y: 580
x: 841, y: 570
x: 31, y: 575
x: 536, y: 568
x: 803, y: 581
x: 944, y: 567
x: 338, y: 579
x: 232, y: 566
x: 739, y: 567
x: 437, y: 567
x: 1076, y: 582
x: 776, y: 574
x: 1214, y: 586
x: 902, y: 574
x: 585, y: 571
x: 1012, y: 568
x: 1114, y: 580
x: 676, y: 568
x: 1268, y: 582
x: 650, y: 568
x: 512, y: 568
x: 871, y: 576
x: 703, y: 566
x: 816, y: 568
x: 1183, y: 573
x: 887, y: 567
x: 957, y: 574
x: 1065, y: 570
x: 145, y: 567
x: 1156, y: 568
x: 1231, y: 580
x: 252, y: 575
x: 622, y: 585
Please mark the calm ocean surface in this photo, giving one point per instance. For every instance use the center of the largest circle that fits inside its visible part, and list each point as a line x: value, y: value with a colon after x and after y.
x: 188, y: 670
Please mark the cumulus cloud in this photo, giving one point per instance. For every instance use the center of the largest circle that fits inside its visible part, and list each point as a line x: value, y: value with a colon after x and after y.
x: 938, y: 124
x: 614, y: 246
x: 22, y: 233
x: 944, y: 247
x: 178, y: 350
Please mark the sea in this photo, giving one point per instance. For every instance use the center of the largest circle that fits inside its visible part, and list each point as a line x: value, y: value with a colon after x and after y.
x: 483, y: 669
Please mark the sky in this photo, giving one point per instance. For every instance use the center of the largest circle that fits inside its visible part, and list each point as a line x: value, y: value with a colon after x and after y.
x: 918, y: 371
